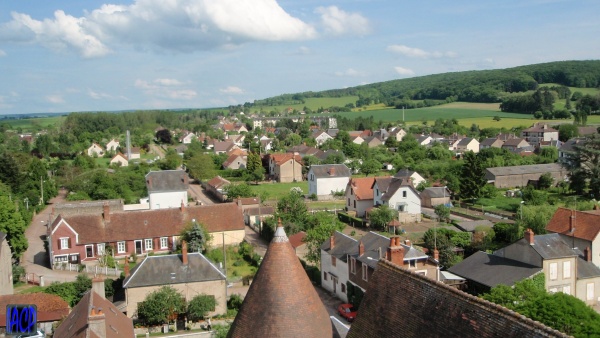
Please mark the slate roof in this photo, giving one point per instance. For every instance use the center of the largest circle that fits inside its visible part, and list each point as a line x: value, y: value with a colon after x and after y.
x: 383, y: 183
x: 76, y: 323
x: 549, y: 246
x: 376, y: 247
x: 465, y: 142
x: 284, y: 297
x: 525, y: 169
x: 488, y: 142
x: 131, y: 225
x: 325, y: 170
x: 322, y: 155
x: 491, y: 270
x: 166, y: 181
x: 233, y: 158
x: 404, y: 173
x: 471, y: 225
x: 50, y: 307
x: 417, y: 306
x: 515, y: 142
x: 169, y: 269
x: 344, y: 245
x: 436, y: 192
x: 396, y: 184
x: 362, y: 187
x: 586, y: 224
x: 586, y: 269
x: 223, y: 146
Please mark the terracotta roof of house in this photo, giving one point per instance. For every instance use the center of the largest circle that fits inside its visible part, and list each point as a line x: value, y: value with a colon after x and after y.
x: 284, y: 297
x: 228, y: 126
x: 50, y: 307
x: 260, y: 211
x: 283, y: 157
x: 539, y: 128
x: 169, y: 269
x: 217, y: 182
x: 248, y: 200
x: 166, y: 181
x: 433, y: 309
x: 223, y: 145
x: 76, y: 325
x: 362, y: 187
x: 130, y: 225
x: 586, y: 224
x: 232, y: 158
x: 297, y: 239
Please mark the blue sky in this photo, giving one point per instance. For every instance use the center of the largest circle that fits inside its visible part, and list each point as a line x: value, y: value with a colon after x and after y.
x: 64, y: 56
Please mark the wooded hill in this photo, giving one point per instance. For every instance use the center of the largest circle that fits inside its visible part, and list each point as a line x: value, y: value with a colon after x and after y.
x: 469, y: 86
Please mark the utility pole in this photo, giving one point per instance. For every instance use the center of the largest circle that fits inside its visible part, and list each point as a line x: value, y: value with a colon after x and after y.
x: 42, y: 190
x: 225, y: 263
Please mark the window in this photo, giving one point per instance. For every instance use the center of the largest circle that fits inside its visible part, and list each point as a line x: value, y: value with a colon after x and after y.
x: 343, y: 288
x: 148, y: 244
x: 412, y: 263
x: 404, y: 194
x: 164, y: 243
x: 552, y: 290
x: 590, y: 291
x: 100, y: 249
x: 553, y: 271
x: 333, y: 260
x: 324, y: 275
x: 376, y: 192
x: 348, y: 202
x: 566, y: 270
x: 365, y: 274
x: 59, y: 259
x: 566, y: 289
x: 353, y: 266
x: 64, y: 243
x: 120, y: 247
x: 421, y: 272
x: 354, y: 204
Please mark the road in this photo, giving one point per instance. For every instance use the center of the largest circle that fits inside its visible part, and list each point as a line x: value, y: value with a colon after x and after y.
x: 199, y: 194
x: 35, y: 259
x: 156, y: 149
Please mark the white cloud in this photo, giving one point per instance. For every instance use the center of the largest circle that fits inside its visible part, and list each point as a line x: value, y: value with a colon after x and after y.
x: 2, y: 53
x: 56, y: 99
x: 338, y: 22
x: 166, y: 88
x: 404, y: 71
x: 97, y: 95
x: 181, y: 25
x: 419, y: 53
x: 232, y: 90
x: 350, y: 72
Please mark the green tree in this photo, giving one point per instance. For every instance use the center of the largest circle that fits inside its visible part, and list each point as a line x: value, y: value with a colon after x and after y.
x: 370, y: 166
x: 584, y: 164
x: 241, y: 190
x: 199, y: 307
x: 196, y: 236
x: 440, y: 238
x: 292, y: 208
x: 254, y: 169
x: 567, y: 131
x: 201, y: 166
x: 13, y: 225
x: 443, y: 212
x: 472, y: 177
x: 161, y: 306
x: 316, y: 236
x: 545, y: 181
x: 380, y: 217
x: 292, y: 140
x: 171, y: 161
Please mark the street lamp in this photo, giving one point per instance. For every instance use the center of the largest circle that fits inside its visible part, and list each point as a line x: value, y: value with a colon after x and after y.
x: 26, y: 200
x: 522, y: 202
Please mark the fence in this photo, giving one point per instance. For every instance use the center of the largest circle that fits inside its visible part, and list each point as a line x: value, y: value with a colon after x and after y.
x: 89, y: 269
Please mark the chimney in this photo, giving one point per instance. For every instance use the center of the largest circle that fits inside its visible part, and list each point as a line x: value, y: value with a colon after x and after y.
x: 97, y: 322
x: 529, y: 236
x: 239, y: 203
x: 126, y: 267
x: 361, y: 248
x: 407, y: 242
x: 332, y: 171
x: 331, y: 242
x: 98, y: 286
x: 572, y: 222
x: 106, y: 212
x: 436, y: 254
x: 182, y: 207
x: 588, y: 254
x: 395, y: 252
x: 184, y: 252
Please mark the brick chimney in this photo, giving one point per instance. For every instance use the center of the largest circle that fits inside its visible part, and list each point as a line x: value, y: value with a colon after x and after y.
x: 587, y: 254
x: 572, y: 220
x: 436, y: 255
x: 361, y: 248
x: 126, y: 267
x: 407, y: 242
x: 395, y: 252
x: 97, y: 322
x: 529, y: 236
x: 106, y: 212
x: 332, y: 171
x: 184, y: 253
x: 182, y: 207
x: 98, y: 286
x: 331, y: 242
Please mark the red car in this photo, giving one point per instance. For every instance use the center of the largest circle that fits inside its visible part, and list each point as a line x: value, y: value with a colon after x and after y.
x: 347, y: 311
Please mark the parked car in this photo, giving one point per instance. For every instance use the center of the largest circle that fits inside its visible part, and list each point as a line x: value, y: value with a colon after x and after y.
x: 347, y: 311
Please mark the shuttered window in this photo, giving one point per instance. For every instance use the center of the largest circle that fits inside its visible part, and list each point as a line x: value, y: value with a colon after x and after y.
x: 553, y: 271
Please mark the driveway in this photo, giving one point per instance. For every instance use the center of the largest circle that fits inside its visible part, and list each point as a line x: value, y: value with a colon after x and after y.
x: 199, y: 194
x: 35, y: 259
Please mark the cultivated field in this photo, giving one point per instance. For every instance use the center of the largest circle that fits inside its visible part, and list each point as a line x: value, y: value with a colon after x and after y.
x: 313, y: 103
x: 27, y: 125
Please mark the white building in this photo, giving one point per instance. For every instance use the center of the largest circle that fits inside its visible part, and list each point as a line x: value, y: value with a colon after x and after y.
x: 167, y: 189
x: 112, y: 145
x: 327, y: 178
x: 398, y: 194
x: 335, y: 254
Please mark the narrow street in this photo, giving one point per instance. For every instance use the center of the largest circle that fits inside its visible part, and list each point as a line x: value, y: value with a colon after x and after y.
x: 197, y: 193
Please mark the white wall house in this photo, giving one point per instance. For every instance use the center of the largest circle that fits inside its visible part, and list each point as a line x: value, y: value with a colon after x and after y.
x: 187, y: 139
x: 335, y: 253
x: 112, y: 145
x: 321, y: 137
x: 323, y: 179
x: 95, y: 149
x: 398, y: 194
x: 167, y: 189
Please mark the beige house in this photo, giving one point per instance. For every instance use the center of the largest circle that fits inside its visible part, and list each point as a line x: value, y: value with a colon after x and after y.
x: 519, y: 176
x: 120, y: 159
x: 95, y: 149
x: 398, y: 134
x: 491, y: 142
x: 432, y: 196
x: 467, y: 144
x: 581, y: 228
x: 6, y: 277
x: 190, y: 274
x: 359, y: 195
x: 285, y: 167
x: 112, y: 145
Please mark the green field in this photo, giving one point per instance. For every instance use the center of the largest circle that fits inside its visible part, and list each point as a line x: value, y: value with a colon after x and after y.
x: 276, y: 191
x: 313, y: 103
x: 584, y: 91
x: 35, y: 124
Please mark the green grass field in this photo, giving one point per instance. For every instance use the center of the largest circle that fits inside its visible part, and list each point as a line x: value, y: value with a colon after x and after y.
x: 276, y: 191
x: 28, y: 125
x: 313, y: 103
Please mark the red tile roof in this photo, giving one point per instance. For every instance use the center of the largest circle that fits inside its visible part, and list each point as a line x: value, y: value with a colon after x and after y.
x: 131, y: 225
x: 281, y: 301
x: 362, y: 187
x: 217, y: 182
x: 297, y: 239
x: 586, y: 223
x: 282, y: 158
x: 50, y: 307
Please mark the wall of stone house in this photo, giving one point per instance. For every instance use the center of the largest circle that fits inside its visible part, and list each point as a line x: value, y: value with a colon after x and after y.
x: 581, y: 290
x: 188, y: 290
x: 234, y: 237
x: 6, y: 277
x: 165, y: 200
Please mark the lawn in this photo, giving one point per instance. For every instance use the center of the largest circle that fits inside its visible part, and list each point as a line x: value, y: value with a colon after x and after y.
x: 276, y: 191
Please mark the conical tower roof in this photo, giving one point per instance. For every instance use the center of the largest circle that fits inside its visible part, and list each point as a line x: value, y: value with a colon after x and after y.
x: 281, y: 302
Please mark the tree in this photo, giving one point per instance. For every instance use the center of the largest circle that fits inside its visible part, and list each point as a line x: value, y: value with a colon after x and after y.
x: 584, y: 163
x: 292, y: 208
x: 443, y: 212
x: 201, y: 166
x: 316, y: 236
x: 370, y: 166
x: 13, y: 225
x: 545, y: 181
x: 254, y: 168
x: 440, y: 238
x: 196, y: 236
x: 380, y: 217
x: 171, y: 161
x: 292, y: 140
x: 472, y: 177
x: 241, y: 190
x: 567, y: 132
x: 164, y: 136
x: 161, y: 306
x: 200, y: 306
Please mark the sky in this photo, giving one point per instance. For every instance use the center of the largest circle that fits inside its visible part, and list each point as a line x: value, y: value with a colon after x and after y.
x: 73, y: 55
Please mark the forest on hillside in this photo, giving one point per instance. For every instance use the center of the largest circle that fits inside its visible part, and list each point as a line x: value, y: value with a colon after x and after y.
x: 469, y: 86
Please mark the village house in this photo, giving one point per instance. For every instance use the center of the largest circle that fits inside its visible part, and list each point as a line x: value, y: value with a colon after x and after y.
x: 357, y: 139
x: 538, y: 133
x: 216, y: 187
x: 286, y: 167
x: 167, y: 188
x: 6, y: 278
x: 321, y: 137
x: 491, y: 142
x: 399, y: 194
x: 519, y: 176
x: 237, y: 139
x: 467, y: 144
x: 579, y: 228
x: 235, y: 162
x: 373, y: 141
x: 326, y: 179
x: 190, y: 274
x: 359, y: 195
x: 223, y: 147
x: 335, y: 255
x: 517, y: 145
x: 567, y: 149
x: 113, y: 145
x: 433, y: 196
x: 424, y: 140
x: 414, y: 176
x: 266, y: 144
x: 397, y: 134
x: 304, y: 150
x: 95, y: 150
x: 84, y: 237
x: 120, y: 160
x: 188, y: 138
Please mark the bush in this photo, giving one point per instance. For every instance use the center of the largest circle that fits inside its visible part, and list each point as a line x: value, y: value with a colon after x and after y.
x: 489, y: 191
x: 18, y: 273
x: 235, y: 302
x: 215, y: 255
x: 312, y: 197
x: 200, y: 306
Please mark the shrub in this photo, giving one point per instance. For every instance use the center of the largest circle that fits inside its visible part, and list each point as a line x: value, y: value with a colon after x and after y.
x: 200, y: 306
x: 235, y: 302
